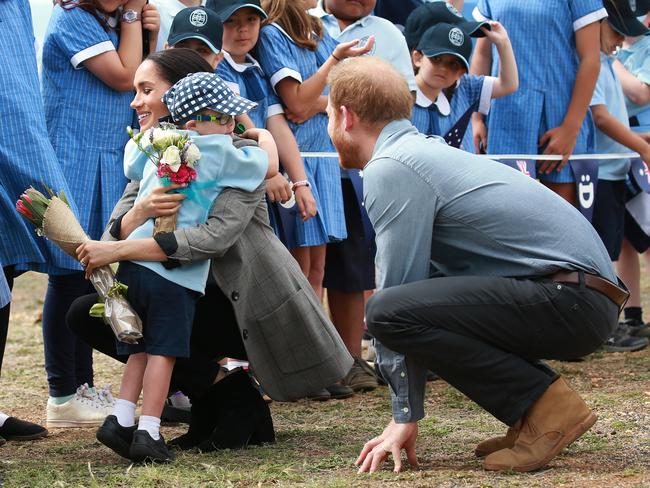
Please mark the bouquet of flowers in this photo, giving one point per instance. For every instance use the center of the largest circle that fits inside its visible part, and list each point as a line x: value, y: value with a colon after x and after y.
x: 54, y: 219
x: 175, y: 156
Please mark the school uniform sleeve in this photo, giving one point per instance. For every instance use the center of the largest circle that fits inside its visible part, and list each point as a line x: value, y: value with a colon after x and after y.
x: 81, y: 37
x: 586, y: 12
x: 224, y: 72
x: 398, y: 55
x: 482, y: 11
x: 477, y: 89
x: 276, y: 55
x: 275, y: 104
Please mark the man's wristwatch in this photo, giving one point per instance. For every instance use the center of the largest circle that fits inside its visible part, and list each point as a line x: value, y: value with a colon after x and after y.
x: 130, y: 16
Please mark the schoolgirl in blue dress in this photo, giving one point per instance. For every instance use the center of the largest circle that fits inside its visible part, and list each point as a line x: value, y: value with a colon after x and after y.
x: 241, y: 30
x: 90, y: 53
x: 556, y: 43
x: 445, y: 92
x: 297, y: 54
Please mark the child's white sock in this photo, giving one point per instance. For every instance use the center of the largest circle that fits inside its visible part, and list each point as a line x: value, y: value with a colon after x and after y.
x: 3, y: 418
x: 151, y: 425
x: 124, y: 410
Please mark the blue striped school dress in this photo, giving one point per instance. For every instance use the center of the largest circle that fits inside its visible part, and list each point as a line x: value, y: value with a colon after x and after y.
x: 86, y: 119
x: 281, y: 58
x: 439, y: 116
x: 26, y: 155
x: 542, y: 33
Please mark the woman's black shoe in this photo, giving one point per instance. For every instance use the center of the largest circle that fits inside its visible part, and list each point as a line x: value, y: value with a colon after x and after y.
x: 20, y: 430
x: 116, y: 437
x: 244, y: 417
x: 144, y: 448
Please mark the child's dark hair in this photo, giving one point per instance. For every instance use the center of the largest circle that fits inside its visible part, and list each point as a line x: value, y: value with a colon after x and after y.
x: 175, y: 64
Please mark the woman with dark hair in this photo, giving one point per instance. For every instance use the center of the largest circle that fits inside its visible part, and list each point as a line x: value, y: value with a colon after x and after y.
x: 90, y: 53
x: 257, y: 304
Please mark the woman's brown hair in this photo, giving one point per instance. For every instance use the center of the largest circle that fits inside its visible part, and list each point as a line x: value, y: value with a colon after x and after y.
x: 305, y: 30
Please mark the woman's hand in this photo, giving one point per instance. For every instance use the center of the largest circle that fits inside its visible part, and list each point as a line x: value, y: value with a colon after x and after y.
x: 350, y: 50
x: 159, y: 203
x: 150, y: 18
x: 306, y: 202
x: 278, y: 189
x: 94, y: 254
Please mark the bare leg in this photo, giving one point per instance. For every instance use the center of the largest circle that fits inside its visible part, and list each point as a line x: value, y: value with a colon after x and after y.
x: 317, y: 269
x: 132, y: 377
x: 347, y: 311
x: 301, y: 254
x: 565, y: 190
x: 629, y: 271
x: 156, y: 380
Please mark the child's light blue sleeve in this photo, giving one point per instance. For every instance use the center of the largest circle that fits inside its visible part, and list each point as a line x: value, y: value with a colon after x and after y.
x: 80, y: 36
x: 586, y: 12
x: 243, y: 168
x: 277, y: 56
x: 599, y: 97
x: 482, y: 11
x: 134, y: 161
x: 275, y: 104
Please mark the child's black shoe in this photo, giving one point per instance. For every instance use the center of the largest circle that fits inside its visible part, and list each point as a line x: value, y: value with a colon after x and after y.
x: 145, y: 448
x: 116, y: 437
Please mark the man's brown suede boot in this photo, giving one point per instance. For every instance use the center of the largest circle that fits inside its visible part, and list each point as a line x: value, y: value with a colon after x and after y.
x: 488, y: 446
x: 554, y: 421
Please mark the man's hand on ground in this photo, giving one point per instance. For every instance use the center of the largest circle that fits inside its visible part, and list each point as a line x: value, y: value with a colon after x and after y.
x: 392, y: 440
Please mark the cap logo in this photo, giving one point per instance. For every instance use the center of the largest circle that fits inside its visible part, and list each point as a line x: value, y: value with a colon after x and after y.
x: 456, y: 36
x: 453, y: 10
x: 198, y: 18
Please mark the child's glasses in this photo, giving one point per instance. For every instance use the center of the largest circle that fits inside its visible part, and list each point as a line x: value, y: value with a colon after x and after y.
x: 221, y: 119
x: 452, y: 65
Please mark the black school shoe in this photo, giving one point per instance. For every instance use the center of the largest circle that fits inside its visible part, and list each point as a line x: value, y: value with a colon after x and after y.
x: 622, y: 341
x: 144, y: 448
x: 637, y: 328
x: 20, y: 430
x: 116, y: 437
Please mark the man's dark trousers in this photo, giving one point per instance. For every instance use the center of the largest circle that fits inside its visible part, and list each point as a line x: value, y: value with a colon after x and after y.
x: 486, y: 335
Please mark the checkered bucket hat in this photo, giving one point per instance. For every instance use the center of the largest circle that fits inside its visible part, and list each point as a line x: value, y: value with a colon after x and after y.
x: 199, y: 91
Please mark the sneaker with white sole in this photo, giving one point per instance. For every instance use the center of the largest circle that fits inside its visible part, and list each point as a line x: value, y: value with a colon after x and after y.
x: 85, y: 409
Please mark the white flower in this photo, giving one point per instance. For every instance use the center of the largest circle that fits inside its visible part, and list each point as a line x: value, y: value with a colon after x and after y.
x: 163, y: 138
x: 172, y: 157
x: 192, y: 155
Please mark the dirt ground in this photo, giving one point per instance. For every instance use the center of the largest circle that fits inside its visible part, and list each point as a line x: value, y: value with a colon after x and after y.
x: 318, y: 442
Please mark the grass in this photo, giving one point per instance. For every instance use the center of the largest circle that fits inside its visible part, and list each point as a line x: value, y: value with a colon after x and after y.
x: 318, y: 442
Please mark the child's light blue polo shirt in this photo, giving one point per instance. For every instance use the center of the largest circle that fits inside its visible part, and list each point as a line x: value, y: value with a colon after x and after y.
x: 390, y: 44
x: 221, y: 165
x: 609, y: 92
x: 636, y: 59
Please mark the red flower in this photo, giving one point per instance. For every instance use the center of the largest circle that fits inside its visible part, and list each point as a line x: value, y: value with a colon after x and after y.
x: 23, y: 210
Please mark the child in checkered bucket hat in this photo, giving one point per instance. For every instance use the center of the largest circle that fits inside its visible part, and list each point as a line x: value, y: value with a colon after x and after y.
x: 201, y: 95
x: 207, y: 107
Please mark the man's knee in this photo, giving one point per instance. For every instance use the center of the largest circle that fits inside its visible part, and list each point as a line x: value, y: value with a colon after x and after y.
x: 380, y: 315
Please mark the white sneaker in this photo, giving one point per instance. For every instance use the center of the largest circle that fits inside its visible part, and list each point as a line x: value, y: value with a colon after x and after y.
x: 105, y: 396
x: 84, y: 410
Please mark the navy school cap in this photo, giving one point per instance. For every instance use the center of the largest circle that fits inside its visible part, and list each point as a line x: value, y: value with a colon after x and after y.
x: 623, y: 20
x: 200, y: 91
x: 429, y: 14
x: 446, y: 39
x: 225, y: 8
x: 197, y: 23
x: 640, y: 7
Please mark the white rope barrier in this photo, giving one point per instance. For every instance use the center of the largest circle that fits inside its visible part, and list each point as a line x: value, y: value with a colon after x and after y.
x: 538, y: 157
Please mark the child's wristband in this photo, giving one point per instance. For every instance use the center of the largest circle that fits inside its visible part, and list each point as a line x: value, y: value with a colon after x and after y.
x: 300, y: 183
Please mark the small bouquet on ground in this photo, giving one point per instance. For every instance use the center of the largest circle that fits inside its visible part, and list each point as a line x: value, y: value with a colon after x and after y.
x: 54, y: 219
x: 175, y: 156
